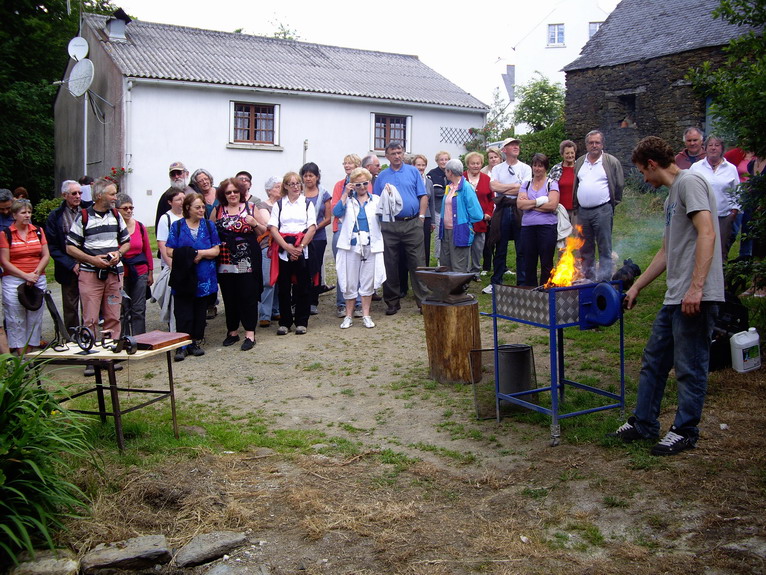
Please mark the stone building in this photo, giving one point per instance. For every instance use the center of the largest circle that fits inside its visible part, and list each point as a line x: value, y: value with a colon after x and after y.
x: 630, y: 79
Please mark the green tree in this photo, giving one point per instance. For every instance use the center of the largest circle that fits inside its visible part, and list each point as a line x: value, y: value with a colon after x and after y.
x: 540, y: 103
x: 284, y: 32
x: 738, y: 91
x: 33, y: 54
x: 497, y: 127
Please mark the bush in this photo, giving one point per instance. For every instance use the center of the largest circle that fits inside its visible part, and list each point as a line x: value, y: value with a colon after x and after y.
x: 545, y: 141
x: 38, y: 440
x: 43, y: 208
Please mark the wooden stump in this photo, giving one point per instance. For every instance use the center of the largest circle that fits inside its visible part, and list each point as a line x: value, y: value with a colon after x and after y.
x: 452, y: 331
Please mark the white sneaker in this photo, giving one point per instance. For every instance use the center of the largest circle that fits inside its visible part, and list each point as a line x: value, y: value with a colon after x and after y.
x: 367, y: 320
x: 487, y: 289
x: 348, y: 321
x: 341, y: 311
x: 484, y: 272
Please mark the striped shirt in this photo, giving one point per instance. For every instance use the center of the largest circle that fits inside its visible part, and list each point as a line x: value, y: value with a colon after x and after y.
x: 103, y: 234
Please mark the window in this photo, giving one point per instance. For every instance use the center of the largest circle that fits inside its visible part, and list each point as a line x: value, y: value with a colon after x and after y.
x: 593, y: 28
x: 388, y: 128
x: 255, y: 124
x: 555, y: 34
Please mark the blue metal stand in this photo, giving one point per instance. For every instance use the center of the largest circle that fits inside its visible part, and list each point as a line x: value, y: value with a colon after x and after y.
x: 554, y: 310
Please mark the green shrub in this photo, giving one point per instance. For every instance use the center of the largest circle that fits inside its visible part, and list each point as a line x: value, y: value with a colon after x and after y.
x: 38, y: 440
x: 43, y: 208
x: 543, y: 142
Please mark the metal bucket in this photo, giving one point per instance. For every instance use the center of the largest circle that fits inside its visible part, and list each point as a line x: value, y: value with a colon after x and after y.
x: 516, y: 370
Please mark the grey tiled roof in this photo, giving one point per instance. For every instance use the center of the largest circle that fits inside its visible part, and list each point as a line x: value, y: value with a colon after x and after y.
x: 170, y: 52
x: 644, y: 29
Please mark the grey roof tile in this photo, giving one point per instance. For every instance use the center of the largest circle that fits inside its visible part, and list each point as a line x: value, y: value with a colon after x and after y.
x: 163, y: 51
x: 644, y: 29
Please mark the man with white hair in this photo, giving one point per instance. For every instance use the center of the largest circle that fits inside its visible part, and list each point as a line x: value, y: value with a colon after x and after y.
x: 371, y: 163
x: 98, y: 239
x: 694, y: 151
x: 66, y: 268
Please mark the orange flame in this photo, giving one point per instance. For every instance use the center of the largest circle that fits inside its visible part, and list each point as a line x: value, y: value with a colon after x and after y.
x: 566, y: 271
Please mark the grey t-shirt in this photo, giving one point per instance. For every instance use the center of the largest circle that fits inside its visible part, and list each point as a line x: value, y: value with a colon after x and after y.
x: 689, y: 193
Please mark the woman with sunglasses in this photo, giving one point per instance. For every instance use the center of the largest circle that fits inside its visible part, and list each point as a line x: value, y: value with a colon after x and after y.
x: 359, y: 262
x: 139, y: 265
x: 239, y: 264
x: 292, y: 225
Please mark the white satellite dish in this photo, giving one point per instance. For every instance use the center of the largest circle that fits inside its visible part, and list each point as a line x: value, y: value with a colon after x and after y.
x: 78, y: 48
x: 80, y: 78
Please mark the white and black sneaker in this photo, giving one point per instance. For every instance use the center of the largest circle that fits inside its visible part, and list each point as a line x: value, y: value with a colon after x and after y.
x: 673, y: 443
x: 628, y: 432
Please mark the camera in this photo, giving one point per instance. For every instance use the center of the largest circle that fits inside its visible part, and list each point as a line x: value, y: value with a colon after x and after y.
x: 109, y: 257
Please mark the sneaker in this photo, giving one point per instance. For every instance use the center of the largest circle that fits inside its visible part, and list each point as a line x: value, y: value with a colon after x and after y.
x: 300, y: 330
x: 341, y: 311
x: 230, y: 340
x: 264, y: 323
x: 487, y: 289
x: 367, y: 321
x: 180, y: 354
x: 248, y: 344
x: 348, y: 321
x: 212, y: 312
x: 628, y: 432
x: 313, y: 310
x: 673, y: 443
x: 484, y: 272
x: 196, y: 350
x: 358, y: 311
x: 283, y: 330
x: 90, y: 371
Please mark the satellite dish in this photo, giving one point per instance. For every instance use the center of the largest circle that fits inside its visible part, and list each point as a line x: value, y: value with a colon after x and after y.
x: 80, y: 78
x: 78, y: 48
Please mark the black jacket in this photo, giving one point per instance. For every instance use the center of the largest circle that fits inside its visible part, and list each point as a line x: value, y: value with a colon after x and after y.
x: 63, y: 263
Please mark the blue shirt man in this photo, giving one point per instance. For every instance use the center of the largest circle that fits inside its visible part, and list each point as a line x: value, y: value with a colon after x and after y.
x: 407, y: 228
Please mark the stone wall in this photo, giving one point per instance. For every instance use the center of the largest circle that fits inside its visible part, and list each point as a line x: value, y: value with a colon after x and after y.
x: 630, y: 101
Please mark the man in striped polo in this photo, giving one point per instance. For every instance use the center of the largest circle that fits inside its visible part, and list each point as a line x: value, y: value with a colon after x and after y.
x: 98, y: 239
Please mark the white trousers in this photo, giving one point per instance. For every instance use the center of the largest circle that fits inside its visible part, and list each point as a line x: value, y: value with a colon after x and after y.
x: 21, y: 325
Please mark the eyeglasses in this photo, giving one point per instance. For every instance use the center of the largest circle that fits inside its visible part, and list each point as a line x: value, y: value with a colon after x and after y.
x: 243, y: 179
x: 126, y: 208
x: 295, y: 185
x: 203, y: 181
x: 510, y: 171
x: 361, y: 185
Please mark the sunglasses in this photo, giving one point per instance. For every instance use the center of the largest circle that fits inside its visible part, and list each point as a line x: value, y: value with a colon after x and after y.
x: 126, y: 208
x: 361, y: 185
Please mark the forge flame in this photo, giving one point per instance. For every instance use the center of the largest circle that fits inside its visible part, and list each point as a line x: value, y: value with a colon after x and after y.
x: 567, y: 271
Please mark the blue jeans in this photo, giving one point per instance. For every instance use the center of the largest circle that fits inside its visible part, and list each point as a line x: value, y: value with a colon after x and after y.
x: 509, y: 230
x: 269, y: 305
x: 681, y: 342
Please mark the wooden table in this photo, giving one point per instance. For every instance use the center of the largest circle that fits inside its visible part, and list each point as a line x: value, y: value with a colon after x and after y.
x: 105, y: 359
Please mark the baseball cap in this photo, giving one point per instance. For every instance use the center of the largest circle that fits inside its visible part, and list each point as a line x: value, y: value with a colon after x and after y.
x: 177, y: 167
x: 509, y: 141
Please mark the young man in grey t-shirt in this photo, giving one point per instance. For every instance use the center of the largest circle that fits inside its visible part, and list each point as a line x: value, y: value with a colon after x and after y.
x: 691, y: 257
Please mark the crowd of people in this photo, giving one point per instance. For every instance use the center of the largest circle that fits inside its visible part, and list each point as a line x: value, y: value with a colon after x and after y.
x: 267, y: 255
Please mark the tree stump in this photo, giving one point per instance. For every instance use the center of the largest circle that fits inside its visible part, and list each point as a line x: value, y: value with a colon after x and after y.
x: 452, y: 331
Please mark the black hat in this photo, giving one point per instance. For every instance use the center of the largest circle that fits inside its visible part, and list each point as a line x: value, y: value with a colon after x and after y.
x: 31, y: 297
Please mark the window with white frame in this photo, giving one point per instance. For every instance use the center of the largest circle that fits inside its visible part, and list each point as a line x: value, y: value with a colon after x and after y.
x: 387, y: 128
x: 593, y: 28
x: 255, y: 124
x: 555, y: 34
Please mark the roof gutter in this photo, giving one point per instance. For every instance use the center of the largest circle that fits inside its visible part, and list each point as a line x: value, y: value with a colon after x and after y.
x: 281, y: 92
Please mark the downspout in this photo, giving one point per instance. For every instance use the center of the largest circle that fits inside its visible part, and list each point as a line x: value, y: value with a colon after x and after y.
x: 127, y: 130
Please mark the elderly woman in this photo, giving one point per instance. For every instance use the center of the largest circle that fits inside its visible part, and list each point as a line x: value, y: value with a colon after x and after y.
x: 460, y: 210
x: 268, y: 308
x: 193, y: 246
x: 421, y: 163
x: 292, y: 225
x: 359, y: 262
x: 350, y: 162
x: 238, y: 224
x: 202, y: 181
x: 321, y: 199
x: 23, y: 256
x: 538, y: 200
x: 480, y: 182
x: 563, y: 173
x: 138, y: 264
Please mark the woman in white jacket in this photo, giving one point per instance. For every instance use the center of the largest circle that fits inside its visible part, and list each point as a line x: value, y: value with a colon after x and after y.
x: 359, y: 262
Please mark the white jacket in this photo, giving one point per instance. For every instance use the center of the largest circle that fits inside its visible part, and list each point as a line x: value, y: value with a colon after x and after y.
x: 346, y: 229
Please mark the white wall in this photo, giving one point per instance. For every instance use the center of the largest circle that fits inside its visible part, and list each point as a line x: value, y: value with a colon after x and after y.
x: 188, y: 123
x: 533, y: 53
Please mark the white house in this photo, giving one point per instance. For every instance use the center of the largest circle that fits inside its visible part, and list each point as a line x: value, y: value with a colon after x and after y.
x: 228, y: 102
x: 553, y: 40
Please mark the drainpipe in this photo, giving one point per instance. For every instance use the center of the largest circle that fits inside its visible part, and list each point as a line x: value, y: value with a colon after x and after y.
x: 305, y: 149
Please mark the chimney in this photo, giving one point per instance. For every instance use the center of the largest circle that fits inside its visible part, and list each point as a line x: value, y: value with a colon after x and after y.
x: 115, y: 27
